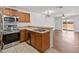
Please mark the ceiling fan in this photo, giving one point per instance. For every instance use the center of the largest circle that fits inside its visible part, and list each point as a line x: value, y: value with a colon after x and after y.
x: 48, y: 13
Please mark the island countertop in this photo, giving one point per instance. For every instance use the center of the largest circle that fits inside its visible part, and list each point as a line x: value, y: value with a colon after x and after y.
x: 35, y: 29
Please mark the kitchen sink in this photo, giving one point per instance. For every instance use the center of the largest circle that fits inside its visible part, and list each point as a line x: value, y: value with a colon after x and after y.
x: 40, y: 30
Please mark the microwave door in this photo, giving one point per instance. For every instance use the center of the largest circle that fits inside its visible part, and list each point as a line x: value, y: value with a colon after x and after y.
x: 9, y: 19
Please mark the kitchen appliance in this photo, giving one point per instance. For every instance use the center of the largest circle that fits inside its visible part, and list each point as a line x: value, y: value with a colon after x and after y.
x: 10, y: 32
x: 11, y: 39
x: 12, y: 27
x: 9, y: 19
x: 9, y: 22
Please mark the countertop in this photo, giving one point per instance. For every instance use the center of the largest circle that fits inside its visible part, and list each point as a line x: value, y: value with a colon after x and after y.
x: 8, y: 32
x: 29, y: 28
x: 32, y: 28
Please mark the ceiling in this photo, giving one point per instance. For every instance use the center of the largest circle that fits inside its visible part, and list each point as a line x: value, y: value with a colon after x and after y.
x: 56, y: 10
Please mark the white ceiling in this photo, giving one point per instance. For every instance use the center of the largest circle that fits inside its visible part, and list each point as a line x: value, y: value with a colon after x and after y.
x: 67, y: 10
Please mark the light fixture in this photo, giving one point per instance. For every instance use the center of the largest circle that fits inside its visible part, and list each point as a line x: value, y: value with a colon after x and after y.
x: 63, y: 16
x: 48, y: 13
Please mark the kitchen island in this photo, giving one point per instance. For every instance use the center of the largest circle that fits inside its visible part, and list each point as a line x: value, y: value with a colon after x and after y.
x: 39, y: 37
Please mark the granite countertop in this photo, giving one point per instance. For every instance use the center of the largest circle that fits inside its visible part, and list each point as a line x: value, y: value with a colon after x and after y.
x: 35, y: 29
x: 29, y: 28
x: 8, y: 32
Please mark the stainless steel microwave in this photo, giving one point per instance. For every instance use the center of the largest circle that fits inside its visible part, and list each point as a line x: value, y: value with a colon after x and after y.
x: 9, y: 19
x: 9, y: 22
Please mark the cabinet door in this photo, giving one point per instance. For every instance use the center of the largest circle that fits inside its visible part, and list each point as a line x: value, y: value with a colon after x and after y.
x: 9, y: 12
x: 45, y: 41
x: 26, y: 36
x: 1, y: 10
x: 6, y: 11
x: 33, y: 43
x: 27, y: 17
x: 13, y: 12
x: 22, y: 36
x: 20, y: 17
x: 38, y: 42
x: 23, y: 17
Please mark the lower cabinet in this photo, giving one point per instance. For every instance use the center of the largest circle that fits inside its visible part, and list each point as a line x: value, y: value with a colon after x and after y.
x: 33, y: 39
x: 40, y: 41
x: 26, y: 36
x: 23, y: 35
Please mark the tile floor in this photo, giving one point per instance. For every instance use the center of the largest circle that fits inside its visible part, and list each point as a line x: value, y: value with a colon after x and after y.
x: 25, y: 48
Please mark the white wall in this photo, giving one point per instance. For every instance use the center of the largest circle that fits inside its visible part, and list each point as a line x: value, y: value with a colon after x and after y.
x: 58, y: 23
x: 39, y: 20
x: 76, y: 23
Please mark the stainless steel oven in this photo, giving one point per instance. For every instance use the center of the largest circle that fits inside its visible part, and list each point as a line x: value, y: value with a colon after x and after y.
x: 11, y: 39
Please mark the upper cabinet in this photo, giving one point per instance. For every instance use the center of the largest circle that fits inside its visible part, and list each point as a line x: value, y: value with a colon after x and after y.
x: 23, y: 17
x: 0, y: 10
x: 9, y: 12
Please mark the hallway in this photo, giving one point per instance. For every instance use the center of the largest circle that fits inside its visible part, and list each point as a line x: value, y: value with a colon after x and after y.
x: 66, y: 41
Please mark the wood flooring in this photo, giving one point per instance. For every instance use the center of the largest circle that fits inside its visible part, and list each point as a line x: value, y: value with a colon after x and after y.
x: 66, y: 41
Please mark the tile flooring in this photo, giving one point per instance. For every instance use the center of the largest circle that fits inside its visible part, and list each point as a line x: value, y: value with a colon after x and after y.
x: 25, y: 48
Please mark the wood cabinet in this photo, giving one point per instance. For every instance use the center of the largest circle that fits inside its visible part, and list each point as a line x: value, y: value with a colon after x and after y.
x: 26, y: 35
x: 23, y: 17
x: 0, y: 10
x: 33, y: 39
x: 45, y: 41
x: 40, y: 41
x: 9, y: 12
x: 23, y: 35
x: 6, y: 11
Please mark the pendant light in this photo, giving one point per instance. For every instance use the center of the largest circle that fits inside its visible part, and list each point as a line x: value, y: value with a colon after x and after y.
x: 63, y: 16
